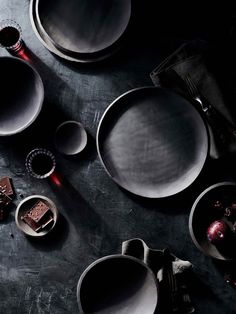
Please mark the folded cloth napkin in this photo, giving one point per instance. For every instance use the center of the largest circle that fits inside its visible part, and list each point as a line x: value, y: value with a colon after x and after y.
x: 171, y: 274
x: 200, y: 61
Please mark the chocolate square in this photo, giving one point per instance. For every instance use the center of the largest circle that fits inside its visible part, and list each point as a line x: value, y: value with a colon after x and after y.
x: 4, y: 200
x: 6, y: 186
x: 36, y: 227
x: 38, y: 216
x: 39, y: 211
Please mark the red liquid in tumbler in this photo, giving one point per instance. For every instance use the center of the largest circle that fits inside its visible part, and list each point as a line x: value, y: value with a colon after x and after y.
x: 9, y: 36
x: 42, y: 164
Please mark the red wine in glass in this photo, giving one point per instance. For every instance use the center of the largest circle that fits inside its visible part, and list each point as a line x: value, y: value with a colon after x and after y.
x: 10, y: 36
x: 40, y: 163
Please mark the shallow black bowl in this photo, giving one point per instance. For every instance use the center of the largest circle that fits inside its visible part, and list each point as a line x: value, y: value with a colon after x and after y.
x: 203, y: 213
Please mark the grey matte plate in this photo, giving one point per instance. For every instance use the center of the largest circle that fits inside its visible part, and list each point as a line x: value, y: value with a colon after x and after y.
x: 152, y: 142
x: 44, y: 39
x: 84, y: 26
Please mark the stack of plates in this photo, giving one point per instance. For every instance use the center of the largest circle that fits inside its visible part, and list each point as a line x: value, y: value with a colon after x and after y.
x: 78, y: 30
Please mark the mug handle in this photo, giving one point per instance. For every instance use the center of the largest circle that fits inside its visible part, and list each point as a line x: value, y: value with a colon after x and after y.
x: 138, y: 248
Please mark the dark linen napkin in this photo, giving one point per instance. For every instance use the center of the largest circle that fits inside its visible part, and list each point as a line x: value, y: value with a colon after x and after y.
x: 205, y: 67
x: 171, y: 274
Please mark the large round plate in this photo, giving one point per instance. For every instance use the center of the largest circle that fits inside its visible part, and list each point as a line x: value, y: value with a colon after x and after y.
x: 84, y: 26
x: 44, y: 39
x: 152, y: 142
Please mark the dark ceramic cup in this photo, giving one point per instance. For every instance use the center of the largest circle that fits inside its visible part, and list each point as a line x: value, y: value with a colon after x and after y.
x: 118, y: 284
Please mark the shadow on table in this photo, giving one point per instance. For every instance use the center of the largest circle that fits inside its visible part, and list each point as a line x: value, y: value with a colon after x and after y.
x: 87, y: 223
x: 214, y: 171
x: 227, y: 269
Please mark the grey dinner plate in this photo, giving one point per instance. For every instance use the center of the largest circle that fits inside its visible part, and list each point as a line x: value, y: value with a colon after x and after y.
x: 152, y: 142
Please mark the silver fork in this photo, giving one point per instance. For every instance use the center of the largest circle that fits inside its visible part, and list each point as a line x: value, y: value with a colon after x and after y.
x: 217, y: 121
x: 194, y: 92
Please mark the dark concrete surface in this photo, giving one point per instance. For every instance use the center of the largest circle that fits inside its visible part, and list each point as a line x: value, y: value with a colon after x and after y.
x: 40, y: 276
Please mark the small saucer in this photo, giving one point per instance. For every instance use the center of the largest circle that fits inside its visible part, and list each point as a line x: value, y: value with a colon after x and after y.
x: 70, y: 138
x: 25, y: 205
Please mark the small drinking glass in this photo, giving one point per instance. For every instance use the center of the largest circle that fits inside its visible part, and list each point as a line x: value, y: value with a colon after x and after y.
x: 11, y: 36
x: 40, y: 163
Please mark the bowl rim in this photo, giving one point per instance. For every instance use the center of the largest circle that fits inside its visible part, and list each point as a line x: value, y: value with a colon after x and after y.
x: 190, y: 222
x: 42, y: 91
x: 36, y: 197
x: 82, y: 130
x: 116, y: 256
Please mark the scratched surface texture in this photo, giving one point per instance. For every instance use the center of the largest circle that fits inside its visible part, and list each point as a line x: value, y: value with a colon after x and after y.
x: 40, y: 276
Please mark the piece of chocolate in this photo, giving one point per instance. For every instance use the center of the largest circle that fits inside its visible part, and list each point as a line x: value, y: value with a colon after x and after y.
x: 4, y: 200
x: 36, y: 227
x: 39, y: 216
x: 6, y: 186
x: 39, y: 211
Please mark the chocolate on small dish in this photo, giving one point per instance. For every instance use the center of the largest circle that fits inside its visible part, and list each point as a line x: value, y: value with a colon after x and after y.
x: 39, y: 216
x: 36, y: 211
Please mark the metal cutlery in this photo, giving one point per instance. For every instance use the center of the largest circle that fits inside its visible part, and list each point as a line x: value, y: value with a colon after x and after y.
x: 220, y: 125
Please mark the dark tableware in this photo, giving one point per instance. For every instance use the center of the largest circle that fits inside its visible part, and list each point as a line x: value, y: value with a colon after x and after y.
x: 207, y: 210
x: 152, y: 142
x: 118, y: 284
x: 84, y: 26
x: 70, y: 138
x: 22, y: 95
x: 11, y: 36
x: 40, y: 163
x: 64, y: 53
x: 220, y: 125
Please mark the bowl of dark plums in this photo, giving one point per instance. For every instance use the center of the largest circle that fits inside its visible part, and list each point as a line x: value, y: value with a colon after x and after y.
x: 36, y: 215
x: 212, y: 221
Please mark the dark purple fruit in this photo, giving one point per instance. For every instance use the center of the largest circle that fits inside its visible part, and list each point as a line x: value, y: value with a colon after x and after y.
x: 217, y: 231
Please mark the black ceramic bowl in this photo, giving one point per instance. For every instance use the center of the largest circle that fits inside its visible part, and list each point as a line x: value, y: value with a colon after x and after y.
x: 117, y: 284
x: 204, y: 212
x: 22, y: 95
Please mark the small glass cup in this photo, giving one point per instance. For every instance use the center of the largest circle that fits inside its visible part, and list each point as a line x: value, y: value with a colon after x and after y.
x: 40, y: 163
x: 11, y: 36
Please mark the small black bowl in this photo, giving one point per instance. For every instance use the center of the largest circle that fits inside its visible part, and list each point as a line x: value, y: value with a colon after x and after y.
x: 203, y: 213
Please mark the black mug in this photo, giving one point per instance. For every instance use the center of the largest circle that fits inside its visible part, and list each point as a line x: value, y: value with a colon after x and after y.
x: 118, y: 284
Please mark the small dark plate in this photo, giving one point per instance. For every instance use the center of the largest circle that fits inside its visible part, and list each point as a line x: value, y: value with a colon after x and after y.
x: 203, y: 213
